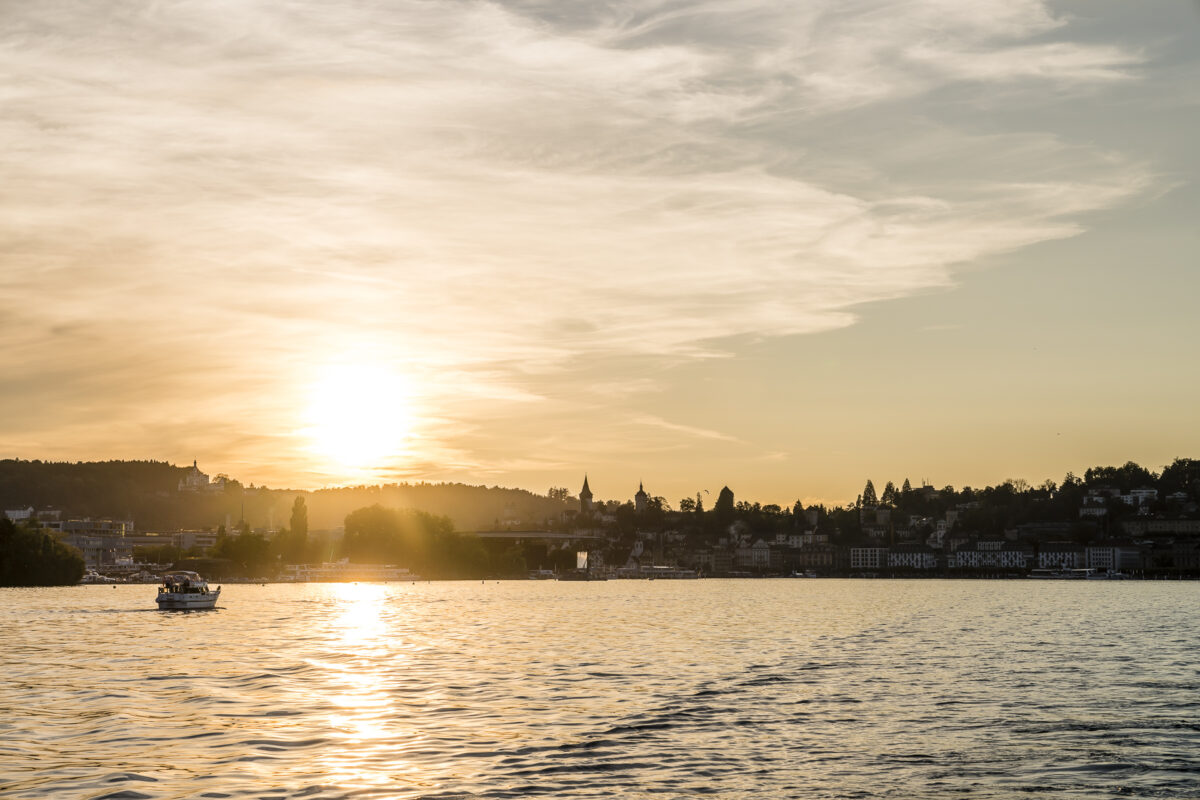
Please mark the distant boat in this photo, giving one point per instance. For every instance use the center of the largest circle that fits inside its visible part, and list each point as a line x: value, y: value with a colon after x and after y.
x: 185, y: 591
x: 1111, y: 575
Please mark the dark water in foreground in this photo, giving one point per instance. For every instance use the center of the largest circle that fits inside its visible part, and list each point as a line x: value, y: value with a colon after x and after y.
x: 802, y: 688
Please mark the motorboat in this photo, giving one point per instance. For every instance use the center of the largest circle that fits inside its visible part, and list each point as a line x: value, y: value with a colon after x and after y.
x: 186, y: 591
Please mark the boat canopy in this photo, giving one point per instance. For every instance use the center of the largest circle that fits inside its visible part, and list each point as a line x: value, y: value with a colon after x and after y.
x: 181, y: 576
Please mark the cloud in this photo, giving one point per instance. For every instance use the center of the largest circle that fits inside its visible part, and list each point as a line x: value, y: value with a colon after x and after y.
x: 216, y: 197
x: 686, y: 430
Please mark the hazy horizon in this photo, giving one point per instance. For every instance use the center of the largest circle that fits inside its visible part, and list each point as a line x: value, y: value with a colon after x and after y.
x: 782, y: 249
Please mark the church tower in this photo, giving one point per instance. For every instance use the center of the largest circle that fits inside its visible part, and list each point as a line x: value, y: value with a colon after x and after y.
x: 640, y: 499
x: 585, y: 498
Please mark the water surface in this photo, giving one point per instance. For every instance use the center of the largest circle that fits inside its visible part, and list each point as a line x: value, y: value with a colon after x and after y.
x: 787, y: 688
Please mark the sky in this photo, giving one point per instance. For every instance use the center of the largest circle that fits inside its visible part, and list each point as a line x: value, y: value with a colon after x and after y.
x: 780, y: 247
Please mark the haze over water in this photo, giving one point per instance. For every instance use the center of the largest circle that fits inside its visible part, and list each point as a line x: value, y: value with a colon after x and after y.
x: 818, y: 688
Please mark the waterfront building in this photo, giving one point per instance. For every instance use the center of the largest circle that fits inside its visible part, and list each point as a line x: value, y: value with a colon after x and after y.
x: 1114, y: 556
x: 1061, y: 555
x: 912, y: 556
x: 992, y: 554
x: 868, y: 557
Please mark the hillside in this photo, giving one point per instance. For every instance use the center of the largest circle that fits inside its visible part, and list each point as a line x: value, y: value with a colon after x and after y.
x: 147, y: 492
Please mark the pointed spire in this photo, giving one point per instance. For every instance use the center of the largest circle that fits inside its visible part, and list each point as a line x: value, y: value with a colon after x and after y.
x: 585, y: 496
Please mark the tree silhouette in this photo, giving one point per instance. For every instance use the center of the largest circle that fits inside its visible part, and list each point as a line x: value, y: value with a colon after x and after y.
x: 724, y: 506
x: 297, y: 537
x: 29, y: 557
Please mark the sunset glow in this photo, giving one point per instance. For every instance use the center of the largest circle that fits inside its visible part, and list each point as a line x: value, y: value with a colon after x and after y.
x: 787, y: 245
x: 358, y: 416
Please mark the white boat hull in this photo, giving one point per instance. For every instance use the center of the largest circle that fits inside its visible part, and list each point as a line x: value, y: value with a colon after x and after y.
x: 187, y: 601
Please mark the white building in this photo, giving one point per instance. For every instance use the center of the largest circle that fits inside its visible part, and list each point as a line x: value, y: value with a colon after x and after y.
x: 19, y: 514
x: 760, y: 555
x: 1140, y: 497
x: 1114, y: 556
x: 912, y: 556
x: 1061, y: 555
x: 998, y: 554
x: 193, y: 480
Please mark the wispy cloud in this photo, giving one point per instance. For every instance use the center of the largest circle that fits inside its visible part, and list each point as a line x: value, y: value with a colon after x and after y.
x: 686, y: 430
x: 202, y: 200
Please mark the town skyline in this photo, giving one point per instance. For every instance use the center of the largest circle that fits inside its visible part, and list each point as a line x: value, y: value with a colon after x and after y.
x: 506, y: 243
x: 197, y: 480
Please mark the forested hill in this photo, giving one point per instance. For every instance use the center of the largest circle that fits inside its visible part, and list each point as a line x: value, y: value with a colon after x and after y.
x: 147, y: 492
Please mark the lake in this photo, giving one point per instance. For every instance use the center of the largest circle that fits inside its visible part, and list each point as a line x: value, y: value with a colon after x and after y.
x: 737, y: 688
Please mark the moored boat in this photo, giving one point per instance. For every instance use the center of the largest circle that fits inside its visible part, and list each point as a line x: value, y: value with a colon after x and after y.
x: 185, y: 591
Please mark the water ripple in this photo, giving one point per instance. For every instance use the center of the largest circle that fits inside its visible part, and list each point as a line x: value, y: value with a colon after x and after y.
x: 831, y: 689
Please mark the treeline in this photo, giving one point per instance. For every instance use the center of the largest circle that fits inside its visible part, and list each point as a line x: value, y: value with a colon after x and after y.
x: 29, y: 557
x: 913, y: 510
x: 426, y: 544
x: 147, y: 492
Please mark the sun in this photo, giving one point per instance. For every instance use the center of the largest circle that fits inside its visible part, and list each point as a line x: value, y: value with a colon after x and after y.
x: 358, y: 416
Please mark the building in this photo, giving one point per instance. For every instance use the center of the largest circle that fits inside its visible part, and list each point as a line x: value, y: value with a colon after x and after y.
x: 754, y: 556
x: 102, y: 542
x: 868, y: 557
x: 585, y: 498
x: 1169, y: 527
x: 992, y: 554
x: 193, y: 480
x: 640, y: 500
x: 822, y: 557
x: 1061, y: 555
x: 1114, y: 556
x: 1140, y: 497
x: 912, y: 556
x: 186, y: 540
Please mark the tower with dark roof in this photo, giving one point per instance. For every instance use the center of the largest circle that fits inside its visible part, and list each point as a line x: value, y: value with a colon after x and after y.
x: 585, y: 497
x: 640, y: 499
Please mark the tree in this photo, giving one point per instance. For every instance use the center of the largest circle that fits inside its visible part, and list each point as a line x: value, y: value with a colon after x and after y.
x: 250, y: 553
x: 868, y: 494
x: 1019, y: 485
x: 1129, y: 476
x: 687, y: 505
x: 299, y: 520
x: 889, y: 494
x: 725, y: 505
x: 559, y: 493
x: 295, y: 541
x: 29, y: 557
x: 408, y: 538
x: 1183, y: 475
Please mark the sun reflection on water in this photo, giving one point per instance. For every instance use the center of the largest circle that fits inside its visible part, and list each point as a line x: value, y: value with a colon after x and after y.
x: 363, y: 718
x: 361, y: 621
